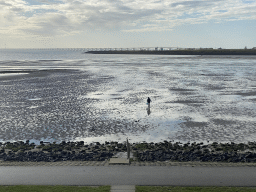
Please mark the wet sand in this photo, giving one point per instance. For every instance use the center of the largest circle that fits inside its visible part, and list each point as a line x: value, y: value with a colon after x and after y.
x: 104, y: 102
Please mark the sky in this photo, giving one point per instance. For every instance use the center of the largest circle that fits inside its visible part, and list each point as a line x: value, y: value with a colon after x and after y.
x: 127, y: 23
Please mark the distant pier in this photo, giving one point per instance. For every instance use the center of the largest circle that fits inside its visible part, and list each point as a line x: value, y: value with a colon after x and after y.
x: 172, y: 51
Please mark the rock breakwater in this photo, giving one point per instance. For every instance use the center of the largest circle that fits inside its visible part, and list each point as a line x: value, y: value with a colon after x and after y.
x: 228, y: 152
x: 163, y: 151
x: 51, y: 152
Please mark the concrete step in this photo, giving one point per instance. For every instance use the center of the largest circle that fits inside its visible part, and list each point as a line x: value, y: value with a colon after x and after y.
x: 119, y: 161
x: 122, y: 188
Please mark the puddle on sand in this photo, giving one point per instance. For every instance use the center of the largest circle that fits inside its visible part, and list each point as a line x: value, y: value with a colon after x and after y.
x: 34, y: 99
x: 11, y: 74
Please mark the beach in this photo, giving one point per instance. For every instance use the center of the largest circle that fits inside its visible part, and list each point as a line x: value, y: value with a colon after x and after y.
x: 103, y: 98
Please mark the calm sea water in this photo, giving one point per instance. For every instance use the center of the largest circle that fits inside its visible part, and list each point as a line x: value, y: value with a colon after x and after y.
x: 64, y: 94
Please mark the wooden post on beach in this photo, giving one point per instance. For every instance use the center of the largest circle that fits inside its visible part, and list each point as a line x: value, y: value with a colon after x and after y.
x: 128, y: 148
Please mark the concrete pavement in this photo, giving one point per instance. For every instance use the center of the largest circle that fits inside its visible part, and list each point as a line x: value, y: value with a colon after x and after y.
x: 122, y: 188
x: 133, y: 163
x: 128, y: 175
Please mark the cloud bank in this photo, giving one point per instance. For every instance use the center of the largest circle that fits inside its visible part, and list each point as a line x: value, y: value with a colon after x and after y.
x: 66, y: 17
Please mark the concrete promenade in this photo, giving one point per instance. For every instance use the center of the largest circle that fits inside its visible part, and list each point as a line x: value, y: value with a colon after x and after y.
x: 94, y: 173
x: 133, y: 163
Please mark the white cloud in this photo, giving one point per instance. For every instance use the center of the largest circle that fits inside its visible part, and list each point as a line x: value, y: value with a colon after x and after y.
x: 64, y: 17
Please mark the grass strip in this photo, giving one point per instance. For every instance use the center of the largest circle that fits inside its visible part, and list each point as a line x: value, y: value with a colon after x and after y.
x: 50, y: 188
x: 190, y: 189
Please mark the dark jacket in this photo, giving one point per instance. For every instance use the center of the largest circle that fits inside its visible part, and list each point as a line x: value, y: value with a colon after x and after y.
x: 148, y: 100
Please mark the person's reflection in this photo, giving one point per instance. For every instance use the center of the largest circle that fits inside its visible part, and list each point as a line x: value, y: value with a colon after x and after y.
x: 148, y: 110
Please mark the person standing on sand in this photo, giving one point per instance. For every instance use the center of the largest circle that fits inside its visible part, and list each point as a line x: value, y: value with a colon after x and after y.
x: 148, y: 101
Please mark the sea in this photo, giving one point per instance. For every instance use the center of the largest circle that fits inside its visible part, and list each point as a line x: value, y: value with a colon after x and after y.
x: 55, y: 95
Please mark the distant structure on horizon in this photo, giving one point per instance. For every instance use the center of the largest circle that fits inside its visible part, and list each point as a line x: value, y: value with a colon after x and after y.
x: 158, y: 49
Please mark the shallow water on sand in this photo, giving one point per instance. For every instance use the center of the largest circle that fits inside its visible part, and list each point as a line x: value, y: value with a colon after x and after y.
x: 103, y: 97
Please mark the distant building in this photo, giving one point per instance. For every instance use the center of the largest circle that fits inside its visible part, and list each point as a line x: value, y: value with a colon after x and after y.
x: 254, y: 48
